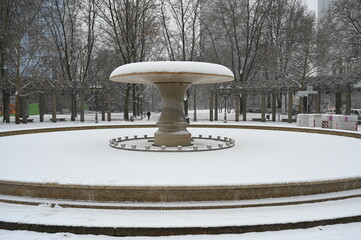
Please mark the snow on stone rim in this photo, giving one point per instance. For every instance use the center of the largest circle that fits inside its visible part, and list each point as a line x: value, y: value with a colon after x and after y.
x: 207, y: 72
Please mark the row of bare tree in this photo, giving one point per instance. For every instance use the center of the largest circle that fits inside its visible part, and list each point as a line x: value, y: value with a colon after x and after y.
x: 52, y: 46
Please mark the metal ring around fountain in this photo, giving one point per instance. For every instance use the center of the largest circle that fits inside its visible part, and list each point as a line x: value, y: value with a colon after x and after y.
x: 145, y: 144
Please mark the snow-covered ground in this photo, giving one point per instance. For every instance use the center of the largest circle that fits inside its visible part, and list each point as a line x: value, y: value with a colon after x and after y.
x: 84, y: 157
x: 259, y: 156
x: 46, y: 214
x: 117, y: 118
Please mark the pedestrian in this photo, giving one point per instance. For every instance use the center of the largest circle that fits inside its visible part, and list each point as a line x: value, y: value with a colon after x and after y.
x: 148, y: 114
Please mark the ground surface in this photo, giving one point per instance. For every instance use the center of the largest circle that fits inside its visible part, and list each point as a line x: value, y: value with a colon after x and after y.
x: 337, y: 156
x: 259, y: 157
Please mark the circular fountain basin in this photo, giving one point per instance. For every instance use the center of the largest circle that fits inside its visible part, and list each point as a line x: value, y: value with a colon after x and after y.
x: 263, y: 164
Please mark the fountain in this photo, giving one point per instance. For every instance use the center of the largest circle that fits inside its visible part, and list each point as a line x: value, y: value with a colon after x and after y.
x: 253, y: 186
x: 172, y: 80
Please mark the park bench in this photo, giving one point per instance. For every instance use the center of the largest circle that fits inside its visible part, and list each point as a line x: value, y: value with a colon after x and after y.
x: 260, y: 119
x: 28, y: 120
x: 286, y: 120
x: 58, y: 119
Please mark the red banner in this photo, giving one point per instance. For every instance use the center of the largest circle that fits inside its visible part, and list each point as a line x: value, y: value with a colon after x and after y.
x: 11, y: 110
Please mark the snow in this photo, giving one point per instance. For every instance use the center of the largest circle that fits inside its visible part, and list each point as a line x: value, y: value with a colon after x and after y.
x: 259, y: 156
x: 171, y: 67
x: 50, y: 215
x: 117, y: 119
x: 350, y: 231
x: 48, y: 157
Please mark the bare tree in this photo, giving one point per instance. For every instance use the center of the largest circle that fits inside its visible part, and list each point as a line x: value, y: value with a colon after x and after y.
x: 237, y: 43
x: 181, y: 32
x: 8, y: 10
x: 346, y: 23
x: 20, y: 43
x: 85, y: 75
x: 71, y: 24
x: 131, y: 27
x: 339, y: 40
x: 290, y: 45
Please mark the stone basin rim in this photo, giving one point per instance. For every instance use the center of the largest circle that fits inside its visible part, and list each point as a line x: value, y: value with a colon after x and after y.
x: 198, y: 78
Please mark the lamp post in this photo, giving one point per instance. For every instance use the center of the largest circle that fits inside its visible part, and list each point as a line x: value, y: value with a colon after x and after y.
x: 96, y: 88
x: 225, y: 92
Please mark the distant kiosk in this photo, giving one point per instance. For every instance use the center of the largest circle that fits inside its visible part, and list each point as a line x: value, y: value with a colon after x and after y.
x: 172, y: 80
x: 309, y: 91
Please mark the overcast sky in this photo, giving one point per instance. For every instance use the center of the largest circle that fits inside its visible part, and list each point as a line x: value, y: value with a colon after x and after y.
x: 312, y: 4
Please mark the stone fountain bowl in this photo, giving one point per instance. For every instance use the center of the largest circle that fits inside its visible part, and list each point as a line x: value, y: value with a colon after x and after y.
x: 172, y: 72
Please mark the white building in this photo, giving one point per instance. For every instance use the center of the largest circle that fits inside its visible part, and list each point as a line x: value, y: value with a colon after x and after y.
x: 322, y: 7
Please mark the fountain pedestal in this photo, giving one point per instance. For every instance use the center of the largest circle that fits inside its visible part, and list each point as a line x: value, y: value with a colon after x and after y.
x: 172, y: 80
x: 172, y: 123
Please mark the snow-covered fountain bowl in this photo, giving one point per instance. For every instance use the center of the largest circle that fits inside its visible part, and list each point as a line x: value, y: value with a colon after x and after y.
x: 172, y: 79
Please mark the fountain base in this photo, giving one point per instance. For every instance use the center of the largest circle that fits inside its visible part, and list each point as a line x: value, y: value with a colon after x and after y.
x: 172, y: 138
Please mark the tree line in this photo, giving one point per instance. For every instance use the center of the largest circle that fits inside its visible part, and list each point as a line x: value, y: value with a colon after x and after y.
x: 54, y: 47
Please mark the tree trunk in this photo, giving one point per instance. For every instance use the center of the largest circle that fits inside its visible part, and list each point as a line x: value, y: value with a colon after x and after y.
x: 290, y: 105
x: 185, y: 103
x: 348, y: 103
x: 300, y: 107
x: 73, y: 106
x: 274, y: 106
x: 109, y: 111
x: 103, y: 107
x: 338, y: 102
x: 305, y: 104
x: 82, y: 102
x: 53, y: 107
x: 17, y: 84
x: 24, y: 112
x: 244, y: 107
x: 241, y: 105
x: 6, y: 106
x: 318, y: 102
x: 263, y: 107
x: 138, y: 106
x: 279, y: 101
x: 216, y: 107
x: 134, y: 100
x: 126, y: 103
x: 17, y: 108
x: 211, y: 106
x: 41, y: 106
x: 195, y: 103
x: 237, y: 103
